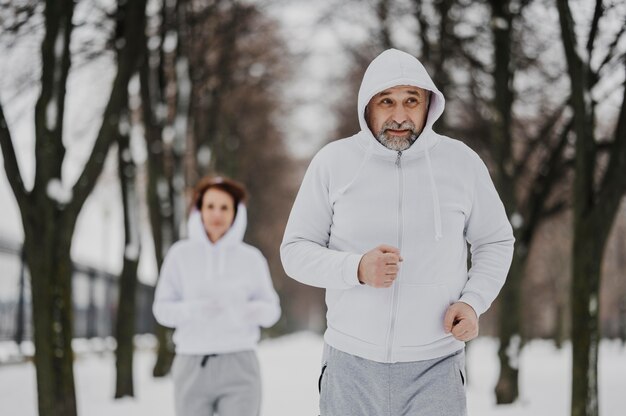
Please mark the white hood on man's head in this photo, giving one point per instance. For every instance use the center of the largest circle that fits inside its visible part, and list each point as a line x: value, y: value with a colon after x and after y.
x: 394, y: 68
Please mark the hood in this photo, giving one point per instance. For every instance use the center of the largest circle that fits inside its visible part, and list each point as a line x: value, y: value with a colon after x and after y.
x: 393, y: 68
x: 390, y: 69
x: 234, y: 235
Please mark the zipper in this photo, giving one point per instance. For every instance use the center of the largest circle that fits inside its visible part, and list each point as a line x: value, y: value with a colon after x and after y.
x: 394, y: 293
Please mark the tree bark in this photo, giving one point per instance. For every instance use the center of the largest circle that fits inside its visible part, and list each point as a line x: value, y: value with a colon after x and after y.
x: 509, y: 331
x: 19, y: 319
x: 382, y: 12
x: 126, y: 316
x: 153, y: 87
x: 510, y: 319
x: 585, y: 304
x: 47, y: 241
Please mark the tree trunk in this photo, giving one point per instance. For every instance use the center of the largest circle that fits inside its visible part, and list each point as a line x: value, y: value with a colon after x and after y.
x: 19, y: 319
x: 152, y: 87
x: 48, y: 256
x: 587, y: 259
x: 125, y: 320
x: 509, y: 324
x: 125, y: 329
x: 510, y: 317
x: 595, y: 208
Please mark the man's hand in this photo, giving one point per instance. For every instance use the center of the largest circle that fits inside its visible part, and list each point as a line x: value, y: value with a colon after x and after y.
x: 462, y: 321
x: 379, y: 267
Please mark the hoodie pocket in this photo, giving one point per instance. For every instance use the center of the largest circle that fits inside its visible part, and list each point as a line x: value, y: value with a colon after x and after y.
x: 360, y: 313
x: 421, y: 310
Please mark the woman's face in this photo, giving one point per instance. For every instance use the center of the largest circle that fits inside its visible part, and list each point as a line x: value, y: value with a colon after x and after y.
x: 218, y: 212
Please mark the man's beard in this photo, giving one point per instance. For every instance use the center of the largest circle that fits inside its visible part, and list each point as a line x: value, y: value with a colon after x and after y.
x: 397, y: 143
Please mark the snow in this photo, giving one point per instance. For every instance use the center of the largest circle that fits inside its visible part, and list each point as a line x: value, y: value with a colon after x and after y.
x: 57, y: 192
x: 131, y: 251
x: 513, y: 350
x: 204, y: 156
x: 290, y: 369
x: 170, y: 42
x: 500, y: 23
x: 168, y: 134
x: 517, y: 220
x: 51, y: 114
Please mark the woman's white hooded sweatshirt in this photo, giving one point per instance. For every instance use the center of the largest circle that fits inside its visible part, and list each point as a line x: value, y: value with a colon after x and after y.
x: 429, y: 201
x: 215, y: 295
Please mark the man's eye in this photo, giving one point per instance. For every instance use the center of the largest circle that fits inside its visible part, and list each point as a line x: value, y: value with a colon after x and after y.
x: 385, y: 101
x: 210, y: 206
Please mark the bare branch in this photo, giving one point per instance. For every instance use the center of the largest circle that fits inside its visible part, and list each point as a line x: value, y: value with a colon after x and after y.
x: 128, y: 59
x: 382, y: 13
x: 555, y: 209
x: 583, y: 122
x: 423, y: 30
x: 612, y: 49
x: 593, y: 31
x: 11, y: 166
x: 50, y: 107
x: 544, y: 182
x: 614, y: 182
x: 540, y: 137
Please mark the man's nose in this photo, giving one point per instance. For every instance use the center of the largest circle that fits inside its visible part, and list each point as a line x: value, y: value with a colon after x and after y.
x: 400, y: 115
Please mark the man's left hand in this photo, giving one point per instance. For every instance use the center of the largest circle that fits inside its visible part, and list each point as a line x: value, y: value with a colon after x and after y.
x: 462, y: 321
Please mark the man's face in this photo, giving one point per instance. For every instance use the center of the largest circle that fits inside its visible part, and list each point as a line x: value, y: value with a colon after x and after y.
x: 397, y: 115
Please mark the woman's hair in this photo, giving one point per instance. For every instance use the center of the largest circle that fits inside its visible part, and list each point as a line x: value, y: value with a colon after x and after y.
x: 233, y: 188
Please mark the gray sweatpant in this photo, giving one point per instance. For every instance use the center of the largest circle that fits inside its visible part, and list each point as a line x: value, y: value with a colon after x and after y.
x: 354, y: 386
x: 227, y: 384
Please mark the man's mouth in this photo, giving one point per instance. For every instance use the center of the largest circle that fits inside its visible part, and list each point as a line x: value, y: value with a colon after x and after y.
x: 398, y: 132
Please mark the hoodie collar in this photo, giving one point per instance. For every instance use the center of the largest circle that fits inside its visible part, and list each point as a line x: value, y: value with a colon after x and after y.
x: 234, y: 235
x: 390, y: 69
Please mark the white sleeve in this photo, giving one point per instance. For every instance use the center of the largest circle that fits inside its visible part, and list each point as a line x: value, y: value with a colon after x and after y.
x: 491, y: 237
x: 304, y: 251
x: 168, y: 308
x: 264, y: 305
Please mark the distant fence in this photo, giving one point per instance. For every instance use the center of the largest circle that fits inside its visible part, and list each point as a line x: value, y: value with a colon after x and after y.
x: 94, y: 292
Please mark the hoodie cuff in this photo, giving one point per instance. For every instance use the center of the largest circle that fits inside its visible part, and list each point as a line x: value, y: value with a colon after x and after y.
x: 475, y: 302
x: 350, y: 270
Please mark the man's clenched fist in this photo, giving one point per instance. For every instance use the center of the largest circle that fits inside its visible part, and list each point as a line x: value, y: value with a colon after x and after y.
x: 379, y: 267
x: 461, y: 320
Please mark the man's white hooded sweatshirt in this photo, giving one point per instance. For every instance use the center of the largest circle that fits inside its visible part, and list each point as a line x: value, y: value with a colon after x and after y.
x: 429, y: 201
x: 215, y: 295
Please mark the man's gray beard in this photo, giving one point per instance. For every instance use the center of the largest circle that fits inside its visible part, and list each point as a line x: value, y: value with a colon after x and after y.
x: 398, y: 144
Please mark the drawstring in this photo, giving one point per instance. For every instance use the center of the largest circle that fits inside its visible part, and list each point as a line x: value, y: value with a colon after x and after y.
x: 433, y: 185
x: 368, y: 154
x: 436, y: 207
x: 205, y: 358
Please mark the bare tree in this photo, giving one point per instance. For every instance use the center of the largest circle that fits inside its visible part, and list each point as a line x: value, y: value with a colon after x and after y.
x: 126, y: 316
x: 48, y: 212
x: 595, y: 207
x: 165, y: 96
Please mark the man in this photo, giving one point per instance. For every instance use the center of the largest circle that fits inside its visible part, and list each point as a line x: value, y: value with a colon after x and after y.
x: 381, y: 221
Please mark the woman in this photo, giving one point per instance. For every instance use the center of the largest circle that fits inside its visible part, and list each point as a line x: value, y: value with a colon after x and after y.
x: 216, y: 291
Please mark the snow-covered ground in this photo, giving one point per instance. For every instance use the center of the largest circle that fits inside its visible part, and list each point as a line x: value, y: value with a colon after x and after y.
x: 290, y: 368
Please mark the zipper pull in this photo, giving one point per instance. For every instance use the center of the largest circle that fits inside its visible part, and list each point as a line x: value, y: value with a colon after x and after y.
x: 398, y: 158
